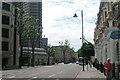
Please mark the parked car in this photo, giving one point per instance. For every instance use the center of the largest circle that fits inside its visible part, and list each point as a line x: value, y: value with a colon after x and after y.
x: 77, y: 62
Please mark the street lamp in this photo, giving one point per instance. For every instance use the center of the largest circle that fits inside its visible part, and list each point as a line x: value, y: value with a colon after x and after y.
x: 85, y: 40
x: 75, y: 15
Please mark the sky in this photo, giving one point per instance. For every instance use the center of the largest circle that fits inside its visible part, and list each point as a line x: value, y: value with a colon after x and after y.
x: 60, y: 25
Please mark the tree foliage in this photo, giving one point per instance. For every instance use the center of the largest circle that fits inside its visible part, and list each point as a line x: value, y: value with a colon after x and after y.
x: 26, y: 29
x: 65, y: 46
x: 33, y: 31
x: 87, y: 50
x: 19, y: 28
x: 67, y: 50
x: 19, y: 25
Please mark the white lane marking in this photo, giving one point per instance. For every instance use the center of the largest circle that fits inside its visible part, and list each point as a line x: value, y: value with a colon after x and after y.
x: 44, y: 71
x: 34, y: 77
x: 51, y: 75
x: 60, y: 72
x: 11, y: 77
x: 55, y: 74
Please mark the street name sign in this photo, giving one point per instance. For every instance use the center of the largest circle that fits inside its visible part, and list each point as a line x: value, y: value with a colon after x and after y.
x: 115, y: 35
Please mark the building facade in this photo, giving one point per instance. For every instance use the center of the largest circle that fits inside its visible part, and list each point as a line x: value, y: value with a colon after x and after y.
x: 107, y: 22
x: 0, y: 35
x: 9, y: 41
x: 40, y: 54
x: 32, y: 9
x: 44, y: 42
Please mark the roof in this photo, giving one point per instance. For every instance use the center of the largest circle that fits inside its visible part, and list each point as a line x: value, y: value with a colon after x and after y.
x: 30, y: 49
x: 37, y: 50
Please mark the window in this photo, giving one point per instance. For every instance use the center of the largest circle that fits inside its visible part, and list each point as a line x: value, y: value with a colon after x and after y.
x: 5, y: 33
x: 5, y: 19
x: 105, y: 14
x: 107, y: 24
x: 6, y: 6
x: 5, y: 46
x: 113, y: 23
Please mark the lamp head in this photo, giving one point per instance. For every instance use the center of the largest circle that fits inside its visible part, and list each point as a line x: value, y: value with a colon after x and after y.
x: 75, y: 15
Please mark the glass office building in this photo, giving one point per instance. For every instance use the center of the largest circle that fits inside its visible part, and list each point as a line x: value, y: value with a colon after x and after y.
x: 32, y: 9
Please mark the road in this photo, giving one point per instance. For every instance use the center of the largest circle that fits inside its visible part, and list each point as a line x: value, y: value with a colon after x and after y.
x: 52, y: 71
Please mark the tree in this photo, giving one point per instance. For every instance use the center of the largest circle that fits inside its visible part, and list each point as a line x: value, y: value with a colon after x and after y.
x: 87, y: 50
x: 52, y: 54
x: 19, y: 27
x: 26, y: 28
x: 33, y: 33
x: 71, y: 53
x: 80, y: 52
x: 64, y: 48
x: 48, y: 50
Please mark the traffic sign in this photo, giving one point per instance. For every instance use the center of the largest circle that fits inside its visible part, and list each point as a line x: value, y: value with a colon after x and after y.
x: 115, y: 35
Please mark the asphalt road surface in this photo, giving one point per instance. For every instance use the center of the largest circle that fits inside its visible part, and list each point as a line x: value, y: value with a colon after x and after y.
x: 53, y: 71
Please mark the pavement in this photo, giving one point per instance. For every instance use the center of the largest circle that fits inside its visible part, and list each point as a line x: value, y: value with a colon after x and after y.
x: 90, y: 73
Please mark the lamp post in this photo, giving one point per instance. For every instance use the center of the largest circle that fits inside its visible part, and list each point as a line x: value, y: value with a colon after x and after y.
x: 75, y: 15
x: 85, y: 40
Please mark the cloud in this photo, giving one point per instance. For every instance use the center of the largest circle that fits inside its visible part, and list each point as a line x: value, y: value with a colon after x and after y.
x: 59, y: 23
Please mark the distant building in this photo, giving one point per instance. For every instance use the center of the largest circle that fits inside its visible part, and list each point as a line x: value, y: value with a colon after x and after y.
x: 10, y: 49
x: 41, y: 57
x: 44, y: 42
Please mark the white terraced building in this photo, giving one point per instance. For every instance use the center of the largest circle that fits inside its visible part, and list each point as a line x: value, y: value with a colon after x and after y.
x: 108, y: 20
